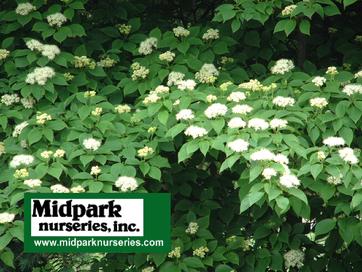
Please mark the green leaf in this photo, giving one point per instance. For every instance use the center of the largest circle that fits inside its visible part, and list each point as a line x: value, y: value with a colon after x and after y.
x: 347, y: 3
x: 315, y: 170
x: 193, y: 262
x: 85, y: 159
x: 298, y: 194
x: 95, y: 187
x: 5, y: 240
x: 356, y: 200
x: 204, y: 147
x: 18, y: 232
x: 183, y: 47
x: 220, y: 48
x: 163, y: 117
x: 155, y: 173
x: 7, y: 257
x: 304, y: 27
x: 282, y: 203
x: 226, y: 11
x: 55, y: 170
x: 250, y: 199
x: 34, y: 136
x: 324, y: 226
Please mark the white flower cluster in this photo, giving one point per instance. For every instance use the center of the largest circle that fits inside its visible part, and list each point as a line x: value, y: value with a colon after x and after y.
x: 207, y: 74
x: 258, y: 124
x: 319, y: 81
x: 180, y: 31
x: 187, y: 84
x: 124, y: 29
x: 168, y: 56
x: 88, y: 94
x: 40, y: 75
x: 46, y: 154
x: 321, y: 155
x: 27, y: 102
x: 4, y: 54
x: 289, y: 181
x: 334, y: 141
x: 147, y: 46
x: 211, y: 98
x: 24, y: 8
x: 160, y: 89
x: 77, y: 189
x: 148, y: 269
x: 262, y: 155
x: 33, y: 182
x: 293, y: 258
x: 351, y: 89
x: 126, y: 184
x: 268, y: 173
x: 278, y: 123
x: 59, y: 153
x: 6, y: 217
x: 58, y: 188
x: 211, y: 34
x: 215, y: 110
x: 283, y: 102
x: 248, y: 244
x: 335, y: 180
x: 91, y: 144
x: 252, y: 85
x: 19, y: 128
x: 21, y: 173
x: 287, y: 11
x: 236, y: 122
x: 2, y: 148
x: 185, y: 114
x: 145, y: 151
x: 238, y: 145
x: 21, y: 160
x: 242, y: 109
x: 95, y: 170
x: 97, y: 111
x: 122, y: 109
x: 175, y: 253
x: 224, y: 86
x: 151, y: 98
x: 318, y: 102
x: 195, y: 131
x: 200, y: 252
x: 56, y: 19
x: 348, y: 155
x: 282, y: 66
x: 192, y: 228
x: 236, y: 96
x: 10, y: 99
x: 358, y: 74
x: 139, y: 71
x: 106, y: 62
x: 174, y: 78
x: 332, y: 70
x: 84, y: 62
x: 42, y: 118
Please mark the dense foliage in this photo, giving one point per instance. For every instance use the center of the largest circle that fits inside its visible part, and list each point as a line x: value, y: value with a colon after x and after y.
x: 247, y: 112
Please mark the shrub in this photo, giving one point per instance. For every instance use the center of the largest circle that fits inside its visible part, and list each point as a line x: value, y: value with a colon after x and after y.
x: 262, y: 160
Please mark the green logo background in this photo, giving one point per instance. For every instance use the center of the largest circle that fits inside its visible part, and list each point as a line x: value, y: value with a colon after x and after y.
x: 157, y: 224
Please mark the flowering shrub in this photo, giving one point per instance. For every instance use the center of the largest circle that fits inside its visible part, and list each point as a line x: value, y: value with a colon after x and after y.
x: 264, y: 172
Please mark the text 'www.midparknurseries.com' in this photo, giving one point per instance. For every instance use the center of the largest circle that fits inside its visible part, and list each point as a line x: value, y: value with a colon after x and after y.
x: 87, y: 242
x: 97, y: 223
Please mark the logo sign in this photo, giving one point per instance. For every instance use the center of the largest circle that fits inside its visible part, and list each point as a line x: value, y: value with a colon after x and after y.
x: 89, y: 222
